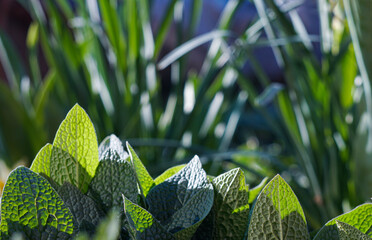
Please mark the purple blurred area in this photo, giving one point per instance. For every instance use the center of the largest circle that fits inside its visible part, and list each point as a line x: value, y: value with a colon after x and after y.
x: 14, y: 21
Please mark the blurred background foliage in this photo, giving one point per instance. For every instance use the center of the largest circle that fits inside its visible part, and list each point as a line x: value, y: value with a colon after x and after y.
x: 266, y: 87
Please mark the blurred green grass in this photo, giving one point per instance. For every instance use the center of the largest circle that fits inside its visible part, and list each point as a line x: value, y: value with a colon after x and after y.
x: 105, y: 56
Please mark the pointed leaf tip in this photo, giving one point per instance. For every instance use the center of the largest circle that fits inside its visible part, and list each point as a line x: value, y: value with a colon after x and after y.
x: 74, y: 155
x: 145, y: 181
x: 113, y: 143
x: 279, y: 206
x: 182, y: 201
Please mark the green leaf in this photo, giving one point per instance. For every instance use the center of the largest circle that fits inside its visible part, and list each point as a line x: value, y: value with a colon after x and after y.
x: 231, y: 209
x: 254, y: 192
x: 228, y: 218
x: 268, y: 95
x: 32, y: 35
x: 31, y: 206
x: 168, y: 173
x: 143, y: 224
x: 41, y: 163
x: 112, y: 142
x: 182, y: 201
x: 114, y: 177
x: 190, y: 45
x: 359, y: 218
x: 82, y: 207
x: 277, y: 213
x: 144, y: 179
x: 347, y: 232
x: 342, y: 231
x: 75, y: 150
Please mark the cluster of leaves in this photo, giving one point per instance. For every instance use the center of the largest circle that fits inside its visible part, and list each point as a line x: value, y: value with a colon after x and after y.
x: 74, y: 184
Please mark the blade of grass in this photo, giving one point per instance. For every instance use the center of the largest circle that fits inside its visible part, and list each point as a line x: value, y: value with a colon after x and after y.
x: 188, y: 46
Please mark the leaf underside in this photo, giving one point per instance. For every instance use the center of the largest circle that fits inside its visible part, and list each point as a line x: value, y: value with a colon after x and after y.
x: 181, y: 202
x: 112, y: 143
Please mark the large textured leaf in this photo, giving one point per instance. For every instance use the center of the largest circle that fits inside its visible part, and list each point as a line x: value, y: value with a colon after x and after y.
x: 114, y: 177
x: 342, y: 231
x: 112, y: 143
x: 83, y: 208
x: 41, y: 163
x: 31, y: 206
x: 144, y: 179
x: 182, y: 201
x: 277, y: 213
x: 230, y: 208
x: 168, y: 173
x: 75, y: 150
x: 359, y: 218
x: 347, y: 232
x: 144, y: 225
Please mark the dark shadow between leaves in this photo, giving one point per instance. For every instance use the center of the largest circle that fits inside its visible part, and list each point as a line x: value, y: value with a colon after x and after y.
x: 43, y: 232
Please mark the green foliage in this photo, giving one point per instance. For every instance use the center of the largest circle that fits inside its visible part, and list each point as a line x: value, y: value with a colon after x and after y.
x: 168, y: 173
x: 230, y: 211
x: 284, y: 217
x: 323, y: 109
x: 74, y: 155
x: 183, y: 205
x: 359, y: 218
x: 182, y: 201
x: 107, y: 59
x: 31, y: 206
x: 143, y: 225
x: 143, y: 177
x: 41, y: 163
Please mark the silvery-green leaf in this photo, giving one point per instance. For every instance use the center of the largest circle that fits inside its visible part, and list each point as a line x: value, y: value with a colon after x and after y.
x: 182, y: 200
x: 115, y: 176
x: 112, y: 142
